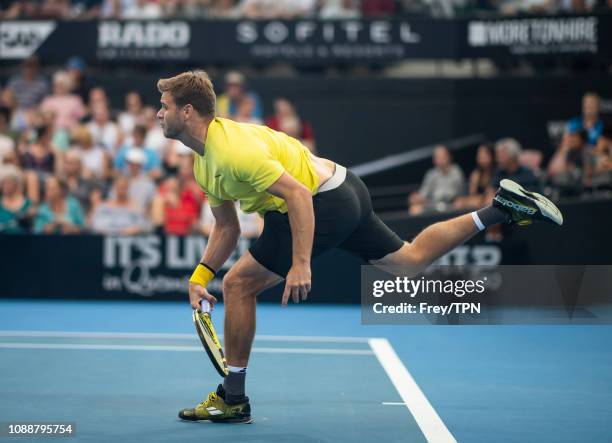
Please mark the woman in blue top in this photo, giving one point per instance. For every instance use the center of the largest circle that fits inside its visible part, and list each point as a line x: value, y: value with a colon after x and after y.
x: 16, y: 209
x: 59, y: 214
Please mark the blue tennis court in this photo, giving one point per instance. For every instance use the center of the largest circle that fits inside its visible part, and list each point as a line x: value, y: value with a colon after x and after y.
x: 122, y: 370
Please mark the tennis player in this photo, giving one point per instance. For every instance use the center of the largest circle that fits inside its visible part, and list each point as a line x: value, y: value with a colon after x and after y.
x: 309, y: 205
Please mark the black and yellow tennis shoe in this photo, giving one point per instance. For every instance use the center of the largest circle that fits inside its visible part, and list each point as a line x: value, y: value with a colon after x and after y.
x: 524, y: 207
x: 215, y: 409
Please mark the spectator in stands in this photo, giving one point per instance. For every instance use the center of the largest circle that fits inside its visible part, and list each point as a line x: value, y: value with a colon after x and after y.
x: 55, y: 9
x: 174, y: 153
x: 68, y: 108
x: 7, y: 136
x: 340, y: 9
x: 20, y: 9
x: 421, y: 7
x: 96, y: 96
x: 17, y: 118
x: 269, y: 9
x: 60, y: 137
x: 566, y: 170
x: 132, y: 114
x: 443, y: 8
x: 187, y: 179
x: 86, y: 10
x: 222, y: 9
x: 29, y: 87
x: 194, y: 9
x: 75, y: 67
x: 119, y: 215
x: 532, y: 160
x: 38, y: 154
x: 175, y: 208
x: 245, y: 111
x: 507, y: 157
x: 576, y: 6
x: 251, y: 225
x: 515, y: 7
x: 172, y: 8
x: 105, y: 132
x: 60, y: 213
x: 114, y: 8
x: 479, y: 181
x: 94, y: 159
x: 601, y: 161
x: 235, y: 93
x: 85, y: 189
x: 142, y: 10
x: 590, y: 120
x: 287, y: 120
x: 9, y: 163
x: 603, y: 6
x: 16, y: 210
x: 152, y: 165
x: 378, y: 8
x: 441, y: 185
x: 141, y: 186
x: 155, y: 139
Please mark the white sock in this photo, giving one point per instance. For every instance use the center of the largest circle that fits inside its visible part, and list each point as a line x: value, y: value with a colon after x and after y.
x: 236, y: 368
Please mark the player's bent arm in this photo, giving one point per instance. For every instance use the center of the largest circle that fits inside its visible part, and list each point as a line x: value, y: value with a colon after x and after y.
x: 223, y: 236
x: 300, y: 212
x: 302, y: 222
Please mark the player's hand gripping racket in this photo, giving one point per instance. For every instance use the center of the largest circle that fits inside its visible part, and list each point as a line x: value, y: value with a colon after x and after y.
x: 206, y: 332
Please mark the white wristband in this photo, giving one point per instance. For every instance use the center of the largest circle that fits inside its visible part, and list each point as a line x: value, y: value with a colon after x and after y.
x: 477, y: 221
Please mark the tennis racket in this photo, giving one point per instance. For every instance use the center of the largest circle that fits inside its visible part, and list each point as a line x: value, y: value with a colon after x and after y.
x: 210, y: 341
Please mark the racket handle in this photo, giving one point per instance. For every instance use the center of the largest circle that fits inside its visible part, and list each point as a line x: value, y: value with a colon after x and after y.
x: 205, y: 306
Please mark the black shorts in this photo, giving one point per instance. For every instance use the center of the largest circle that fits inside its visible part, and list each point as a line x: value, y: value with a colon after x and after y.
x: 343, y: 219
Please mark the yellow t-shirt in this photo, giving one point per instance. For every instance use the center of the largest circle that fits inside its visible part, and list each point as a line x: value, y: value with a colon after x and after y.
x: 242, y: 160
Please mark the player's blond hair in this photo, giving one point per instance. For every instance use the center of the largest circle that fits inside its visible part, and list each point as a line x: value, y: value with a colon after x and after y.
x: 191, y: 88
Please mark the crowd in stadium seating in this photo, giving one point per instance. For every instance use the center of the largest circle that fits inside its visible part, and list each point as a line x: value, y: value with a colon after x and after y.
x: 286, y: 9
x: 71, y: 165
x: 69, y: 162
x: 582, y: 162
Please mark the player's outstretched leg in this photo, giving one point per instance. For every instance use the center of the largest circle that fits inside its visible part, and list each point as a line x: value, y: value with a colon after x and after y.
x: 512, y: 205
x: 229, y: 404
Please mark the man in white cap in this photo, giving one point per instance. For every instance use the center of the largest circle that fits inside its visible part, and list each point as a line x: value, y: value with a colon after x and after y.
x: 142, y: 188
x: 235, y: 94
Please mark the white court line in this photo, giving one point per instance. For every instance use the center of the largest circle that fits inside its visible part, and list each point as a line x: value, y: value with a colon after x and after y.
x: 432, y: 426
x: 176, y: 336
x: 393, y: 403
x: 80, y: 346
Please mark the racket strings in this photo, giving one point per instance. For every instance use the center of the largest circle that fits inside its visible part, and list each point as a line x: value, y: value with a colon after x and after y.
x: 207, y: 324
x: 211, y: 343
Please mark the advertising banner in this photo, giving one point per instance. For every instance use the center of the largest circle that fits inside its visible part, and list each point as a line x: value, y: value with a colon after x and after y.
x: 159, y: 267
x: 305, y: 42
